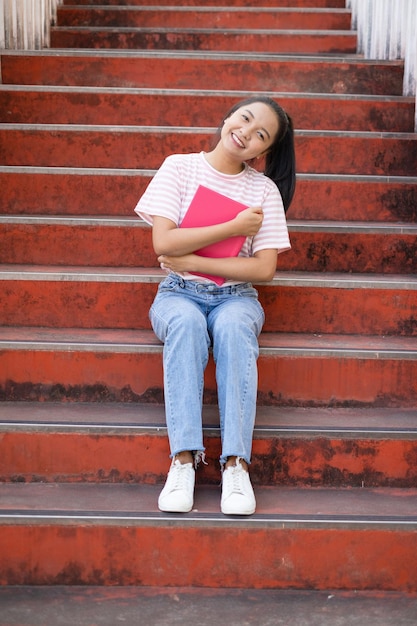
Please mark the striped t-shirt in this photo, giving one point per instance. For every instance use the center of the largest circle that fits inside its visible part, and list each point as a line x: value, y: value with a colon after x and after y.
x: 172, y: 189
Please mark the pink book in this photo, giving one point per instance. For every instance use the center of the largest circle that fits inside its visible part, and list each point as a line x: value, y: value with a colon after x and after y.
x: 207, y: 208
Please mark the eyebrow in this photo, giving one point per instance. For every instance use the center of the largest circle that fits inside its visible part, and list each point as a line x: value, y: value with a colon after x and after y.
x: 253, y: 117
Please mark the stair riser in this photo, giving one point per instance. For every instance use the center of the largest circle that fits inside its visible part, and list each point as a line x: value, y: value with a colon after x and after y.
x: 268, y: 557
x: 78, y: 245
x: 47, y: 244
x: 77, y: 304
x: 110, y: 193
x: 53, y: 193
x: 308, y: 113
x: 287, y: 379
x: 191, y: 73
x: 366, y: 201
x: 286, y: 461
x: 339, y: 154
x: 137, y: 18
x: 288, y: 43
x: 351, y: 252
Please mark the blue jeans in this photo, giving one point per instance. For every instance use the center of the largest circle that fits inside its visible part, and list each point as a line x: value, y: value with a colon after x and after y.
x: 190, y: 318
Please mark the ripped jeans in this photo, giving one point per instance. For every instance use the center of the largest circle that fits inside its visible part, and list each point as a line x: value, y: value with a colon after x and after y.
x: 190, y: 318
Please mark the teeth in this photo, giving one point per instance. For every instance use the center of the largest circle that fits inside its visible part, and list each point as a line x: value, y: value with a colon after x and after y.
x: 236, y: 138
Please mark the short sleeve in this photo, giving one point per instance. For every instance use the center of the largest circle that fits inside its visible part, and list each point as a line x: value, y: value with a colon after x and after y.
x: 162, y: 197
x: 273, y: 233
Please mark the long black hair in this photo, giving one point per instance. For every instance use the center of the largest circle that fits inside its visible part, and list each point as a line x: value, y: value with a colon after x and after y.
x: 280, y: 158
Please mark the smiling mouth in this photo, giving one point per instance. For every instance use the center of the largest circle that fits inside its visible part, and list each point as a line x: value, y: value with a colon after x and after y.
x: 238, y: 141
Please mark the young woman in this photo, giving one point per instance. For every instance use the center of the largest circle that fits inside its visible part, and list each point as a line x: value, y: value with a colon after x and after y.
x: 192, y: 314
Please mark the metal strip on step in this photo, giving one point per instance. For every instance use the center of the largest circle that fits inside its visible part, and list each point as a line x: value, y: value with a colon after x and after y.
x: 278, y: 522
x: 308, y: 226
x: 201, y: 93
x: 259, y: 431
x: 320, y: 280
x: 108, y: 128
x: 99, y: 171
x: 203, y: 55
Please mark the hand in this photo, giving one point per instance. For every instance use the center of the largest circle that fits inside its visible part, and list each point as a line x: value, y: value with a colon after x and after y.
x: 177, y: 263
x: 249, y: 221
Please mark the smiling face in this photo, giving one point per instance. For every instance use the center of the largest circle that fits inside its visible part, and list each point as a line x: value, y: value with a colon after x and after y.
x: 250, y: 131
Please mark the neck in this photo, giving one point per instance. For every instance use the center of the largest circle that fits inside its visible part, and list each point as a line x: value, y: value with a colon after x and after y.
x: 217, y: 159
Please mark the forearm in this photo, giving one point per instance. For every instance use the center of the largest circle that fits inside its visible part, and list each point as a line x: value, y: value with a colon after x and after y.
x: 170, y: 240
x: 242, y: 269
x: 259, y: 268
x: 182, y: 241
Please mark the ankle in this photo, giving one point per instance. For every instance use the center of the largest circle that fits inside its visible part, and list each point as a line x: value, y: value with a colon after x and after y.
x: 184, y: 457
x: 232, y: 462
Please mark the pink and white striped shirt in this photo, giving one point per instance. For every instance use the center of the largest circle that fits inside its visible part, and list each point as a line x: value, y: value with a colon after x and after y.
x: 171, y: 190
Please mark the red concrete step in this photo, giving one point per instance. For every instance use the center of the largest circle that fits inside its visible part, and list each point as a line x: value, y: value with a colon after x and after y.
x: 236, y: 40
x: 351, y: 247
x: 201, y: 70
x: 299, y: 538
x: 127, y: 443
x: 215, y: 3
x: 94, y: 191
x: 20, y: 104
x: 205, y: 17
x: 126, y: 242
x: 61, y: 145
x: 362, y: 304
x: 366, y: 198
x: 72, y: 191
x: 125, y: 365
x: 107, y: 605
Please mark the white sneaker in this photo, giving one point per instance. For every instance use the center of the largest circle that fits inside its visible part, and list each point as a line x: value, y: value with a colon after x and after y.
x: 237, y: 493
x: 177, y: 496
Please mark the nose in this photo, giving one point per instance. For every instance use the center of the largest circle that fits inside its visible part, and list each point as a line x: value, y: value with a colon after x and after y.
x: 245, y: 132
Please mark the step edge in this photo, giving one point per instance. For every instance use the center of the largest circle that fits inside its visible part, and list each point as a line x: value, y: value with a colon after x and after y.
x: 326, y: 226
x: 145, y: 91
x: 335, y: 352
x: 131, y: 221
x: 345, y: 59
x: 348, y: 33
x: 201, y: 9
x: 79, y: 171
x: 258, y: 520
x: 117, y: 429
x: 109, y: 128
x: 325, y: 280
x: 379, y: 354
x: 374, y: 228
x: 99, y: 171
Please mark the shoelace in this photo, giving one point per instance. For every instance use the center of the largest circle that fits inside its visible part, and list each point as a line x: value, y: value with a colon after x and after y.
x: 236, y: 483
x: 181, y: 475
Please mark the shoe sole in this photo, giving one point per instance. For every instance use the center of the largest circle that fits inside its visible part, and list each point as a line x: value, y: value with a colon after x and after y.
x: 174, y: 510
x: 229, y: 512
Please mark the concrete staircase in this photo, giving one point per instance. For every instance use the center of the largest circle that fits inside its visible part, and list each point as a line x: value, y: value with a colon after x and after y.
x: 83, y: 448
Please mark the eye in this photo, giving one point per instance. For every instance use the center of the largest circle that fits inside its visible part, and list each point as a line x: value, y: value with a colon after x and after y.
x: 245, y: 117
x: 261, y: 135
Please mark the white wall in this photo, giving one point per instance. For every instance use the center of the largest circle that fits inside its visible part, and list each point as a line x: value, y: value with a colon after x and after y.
x: 387, y: 29
x: 24, y: 24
